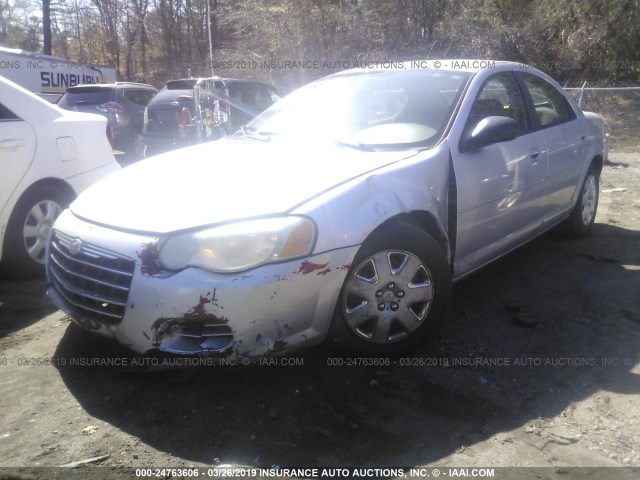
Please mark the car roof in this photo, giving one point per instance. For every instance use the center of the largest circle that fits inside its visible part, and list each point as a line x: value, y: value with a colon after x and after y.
x: 453, y: 64
x: 117, y: 85
x: 171, y: 95
x: 194, y: 80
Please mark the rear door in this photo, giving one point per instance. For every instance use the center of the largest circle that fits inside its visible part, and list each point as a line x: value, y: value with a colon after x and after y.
x: 564, y: 135
x: 501, y: 188
x: 17, y: 150
x: 137, y: 100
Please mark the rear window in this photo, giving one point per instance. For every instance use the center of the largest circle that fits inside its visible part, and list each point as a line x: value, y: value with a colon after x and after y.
x: 139, y: 97
x: 165, y: 114
x: 181, y: 84
x: 85, y: 96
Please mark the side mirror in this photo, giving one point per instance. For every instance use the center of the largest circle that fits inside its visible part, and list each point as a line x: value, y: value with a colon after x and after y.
x: 488, y: 131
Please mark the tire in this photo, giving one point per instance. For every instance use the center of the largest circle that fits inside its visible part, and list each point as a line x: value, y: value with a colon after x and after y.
x: 397, y: 290
x: 580, y: 222
x: 28, y: 231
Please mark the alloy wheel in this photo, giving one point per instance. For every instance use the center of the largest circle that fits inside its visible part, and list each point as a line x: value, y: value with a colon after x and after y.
x: 388, y: 296
x: 37, y: 227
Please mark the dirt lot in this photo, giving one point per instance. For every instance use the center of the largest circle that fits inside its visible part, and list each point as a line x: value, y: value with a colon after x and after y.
x: 537, y: 365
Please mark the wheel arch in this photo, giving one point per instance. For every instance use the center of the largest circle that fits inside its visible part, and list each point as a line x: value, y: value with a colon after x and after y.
x: 422, y: 235
x: 425, y: 221
x: 55, y: 184
x: 50, y: 183
x: 598, y: 163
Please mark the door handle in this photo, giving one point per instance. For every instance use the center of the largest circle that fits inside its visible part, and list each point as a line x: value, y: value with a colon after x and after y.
x: 534, y: 154
x: 11, y: 144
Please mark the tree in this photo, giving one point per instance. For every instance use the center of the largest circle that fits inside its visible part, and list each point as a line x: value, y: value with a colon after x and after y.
x: 46, y: 26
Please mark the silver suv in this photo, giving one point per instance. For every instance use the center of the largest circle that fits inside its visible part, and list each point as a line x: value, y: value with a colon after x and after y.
x: 122, y: 103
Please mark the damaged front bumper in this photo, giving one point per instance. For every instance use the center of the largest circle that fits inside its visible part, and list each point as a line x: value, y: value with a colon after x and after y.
x: 121, y: 293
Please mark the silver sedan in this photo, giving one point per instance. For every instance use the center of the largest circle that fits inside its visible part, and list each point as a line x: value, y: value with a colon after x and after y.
x: 343, y: 212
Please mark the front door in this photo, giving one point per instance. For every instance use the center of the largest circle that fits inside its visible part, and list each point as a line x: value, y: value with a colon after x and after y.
x: 501, y: 188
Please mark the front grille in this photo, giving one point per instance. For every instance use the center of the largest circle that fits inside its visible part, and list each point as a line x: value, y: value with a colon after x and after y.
x: 93, y: 282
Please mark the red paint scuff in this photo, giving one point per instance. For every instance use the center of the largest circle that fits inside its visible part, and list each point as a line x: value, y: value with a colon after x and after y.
x: 149, y: 259
x: 307, y: 267
x: 199, y: 310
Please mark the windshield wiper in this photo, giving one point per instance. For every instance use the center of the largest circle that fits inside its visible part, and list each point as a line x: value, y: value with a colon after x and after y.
x: 251, y: 133
x: 362, y: 147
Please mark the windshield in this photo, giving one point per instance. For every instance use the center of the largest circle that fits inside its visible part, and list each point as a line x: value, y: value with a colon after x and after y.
x: 380, y: 110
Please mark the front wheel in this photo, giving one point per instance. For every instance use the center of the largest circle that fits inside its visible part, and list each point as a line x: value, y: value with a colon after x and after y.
x: 582, y: 218
x: 396, y: 291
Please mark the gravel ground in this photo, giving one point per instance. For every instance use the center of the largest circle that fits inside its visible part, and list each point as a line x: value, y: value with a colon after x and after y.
x: 537, y: 365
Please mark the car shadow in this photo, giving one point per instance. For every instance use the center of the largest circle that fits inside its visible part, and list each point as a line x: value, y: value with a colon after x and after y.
x: 22, y: 303
x: 527, y: 337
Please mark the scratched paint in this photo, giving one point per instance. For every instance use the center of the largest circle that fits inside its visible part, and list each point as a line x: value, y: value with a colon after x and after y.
x: 307, y: 267
x: 163, y: 327
x: 199, y: 311
x: 149, y: 259
x: 166, y: 327
x: 89, y: 324
x: 279, y: 346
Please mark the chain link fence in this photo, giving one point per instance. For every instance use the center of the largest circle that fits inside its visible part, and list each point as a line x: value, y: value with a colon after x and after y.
x: 620, y: 108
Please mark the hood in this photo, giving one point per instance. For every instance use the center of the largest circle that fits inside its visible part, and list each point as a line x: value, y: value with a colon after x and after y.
x: 221, y: 181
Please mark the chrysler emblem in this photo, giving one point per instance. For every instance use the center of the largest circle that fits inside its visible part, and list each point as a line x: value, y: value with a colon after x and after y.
x: 76, y: 247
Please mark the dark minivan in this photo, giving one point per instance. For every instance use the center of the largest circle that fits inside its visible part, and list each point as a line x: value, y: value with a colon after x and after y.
x: 193, y: 110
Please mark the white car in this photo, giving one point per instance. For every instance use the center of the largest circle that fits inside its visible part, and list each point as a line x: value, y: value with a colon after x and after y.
x: 47, y: 157
x: 344, y: 211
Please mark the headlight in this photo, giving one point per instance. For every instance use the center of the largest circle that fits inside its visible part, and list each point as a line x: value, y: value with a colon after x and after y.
x: 240, y: 246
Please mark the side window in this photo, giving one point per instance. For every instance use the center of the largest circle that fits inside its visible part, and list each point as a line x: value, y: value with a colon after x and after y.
x: 6, y: 114
x: 550, y: 105
x: 147, y: 95
x: 500, y: 96
x: 139, y: 97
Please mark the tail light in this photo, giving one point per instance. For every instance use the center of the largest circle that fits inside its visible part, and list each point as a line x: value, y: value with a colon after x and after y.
x: 183, y: 118
x: 110, y: 107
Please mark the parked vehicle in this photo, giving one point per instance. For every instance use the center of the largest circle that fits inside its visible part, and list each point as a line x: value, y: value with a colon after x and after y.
x: 47, y: 156
x: 347, y: 220
x: 123, y: 105
x: 193, y: 110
